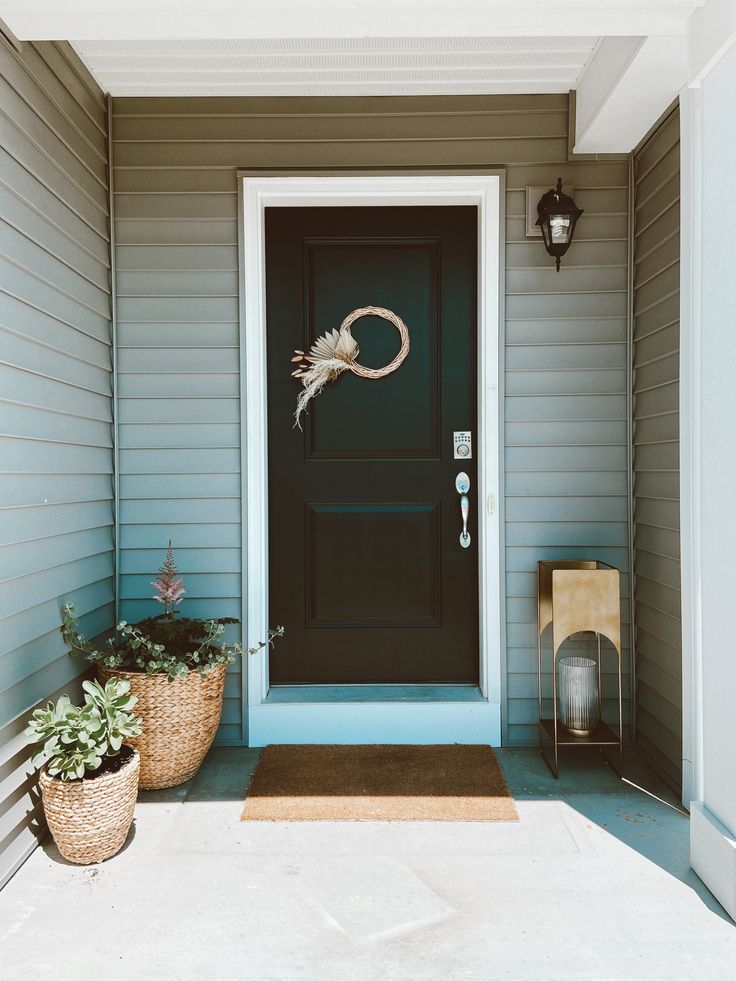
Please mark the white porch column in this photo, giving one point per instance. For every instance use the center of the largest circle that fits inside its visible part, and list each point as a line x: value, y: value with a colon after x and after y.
x: 708, y: 415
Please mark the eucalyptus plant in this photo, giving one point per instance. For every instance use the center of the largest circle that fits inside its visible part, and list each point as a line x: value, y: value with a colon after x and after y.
x: 160, y: 645
x: 78, y: 739
x: 164, y: 644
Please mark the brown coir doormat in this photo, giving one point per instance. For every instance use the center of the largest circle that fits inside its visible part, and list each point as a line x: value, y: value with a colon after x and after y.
x: 378, y: 783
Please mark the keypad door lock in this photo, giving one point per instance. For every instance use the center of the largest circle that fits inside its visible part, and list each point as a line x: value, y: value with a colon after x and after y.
x: 462, y: 443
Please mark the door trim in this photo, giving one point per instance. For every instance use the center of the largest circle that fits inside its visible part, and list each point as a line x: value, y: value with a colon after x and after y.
x: 375, y: 720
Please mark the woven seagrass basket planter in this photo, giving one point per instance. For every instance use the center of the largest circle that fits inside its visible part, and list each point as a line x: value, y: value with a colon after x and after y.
x: 179, y: 720
x: 89, y: 819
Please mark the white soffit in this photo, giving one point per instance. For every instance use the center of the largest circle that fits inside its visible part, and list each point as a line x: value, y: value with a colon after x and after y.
x: 345, y: 66
x: 201, y: 19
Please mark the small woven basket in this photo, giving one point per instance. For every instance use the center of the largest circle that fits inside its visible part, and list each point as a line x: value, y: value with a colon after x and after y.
x: 90, y: 818
x: 179, y: 720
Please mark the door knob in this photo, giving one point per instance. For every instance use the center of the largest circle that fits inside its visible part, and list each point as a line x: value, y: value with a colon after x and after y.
x: 462, y: 486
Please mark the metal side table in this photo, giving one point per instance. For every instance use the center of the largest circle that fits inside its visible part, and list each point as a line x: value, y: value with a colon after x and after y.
x: 573, y: 597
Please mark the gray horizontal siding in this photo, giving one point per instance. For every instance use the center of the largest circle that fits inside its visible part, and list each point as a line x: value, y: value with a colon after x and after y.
x: 56, y: 508
x: 566, y: 362
x: 565, y: 411
x: 656, y: 448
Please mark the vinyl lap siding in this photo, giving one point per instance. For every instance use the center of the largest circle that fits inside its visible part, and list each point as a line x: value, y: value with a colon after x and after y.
x: 565, y: 413
x: 566, y: 375
x: 56, y: 514
x: 178, y: 387
x: 656, y: 448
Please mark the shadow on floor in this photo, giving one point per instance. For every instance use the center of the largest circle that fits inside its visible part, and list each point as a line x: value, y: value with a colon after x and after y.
x: 639, y: 811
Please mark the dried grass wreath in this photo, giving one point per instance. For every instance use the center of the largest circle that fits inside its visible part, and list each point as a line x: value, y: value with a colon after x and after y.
x: 337, y: 351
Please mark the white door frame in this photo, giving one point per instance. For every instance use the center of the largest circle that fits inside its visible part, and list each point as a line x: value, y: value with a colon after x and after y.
x: 373, y: 720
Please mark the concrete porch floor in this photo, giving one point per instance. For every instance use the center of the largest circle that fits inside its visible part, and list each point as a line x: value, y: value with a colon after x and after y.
x: 592, y: 883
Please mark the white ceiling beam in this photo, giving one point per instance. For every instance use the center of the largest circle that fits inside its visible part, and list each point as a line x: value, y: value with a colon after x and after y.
x: 177, y: 19
x: 629, y: 82
x: 625, y: 88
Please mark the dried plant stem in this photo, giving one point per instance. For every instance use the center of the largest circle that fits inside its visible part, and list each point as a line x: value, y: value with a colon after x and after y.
x: 319, y: 374
x: 318, y: 368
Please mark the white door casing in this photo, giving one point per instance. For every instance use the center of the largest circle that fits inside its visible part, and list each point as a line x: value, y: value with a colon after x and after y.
x: 376, y: 718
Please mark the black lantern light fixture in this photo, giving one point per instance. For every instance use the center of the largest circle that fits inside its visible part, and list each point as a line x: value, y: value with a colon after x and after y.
x: 558, y: 215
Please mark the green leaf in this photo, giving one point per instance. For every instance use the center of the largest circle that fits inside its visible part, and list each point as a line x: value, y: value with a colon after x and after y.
x: 78, y: 738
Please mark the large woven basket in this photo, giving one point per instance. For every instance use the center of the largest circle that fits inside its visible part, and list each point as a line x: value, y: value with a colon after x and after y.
x: 179, y: 719
x: 90, y: 818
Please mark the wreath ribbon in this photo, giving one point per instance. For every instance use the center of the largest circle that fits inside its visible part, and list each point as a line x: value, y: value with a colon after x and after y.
x: 337, y: 351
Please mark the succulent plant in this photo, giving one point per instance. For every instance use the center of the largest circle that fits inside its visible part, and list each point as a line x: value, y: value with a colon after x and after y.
x: 78, y: 739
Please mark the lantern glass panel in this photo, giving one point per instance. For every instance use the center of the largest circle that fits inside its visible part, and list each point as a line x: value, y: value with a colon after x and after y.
x: 560, y: 226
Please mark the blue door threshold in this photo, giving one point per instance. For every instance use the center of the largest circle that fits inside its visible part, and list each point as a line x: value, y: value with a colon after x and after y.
x: 374, y: 693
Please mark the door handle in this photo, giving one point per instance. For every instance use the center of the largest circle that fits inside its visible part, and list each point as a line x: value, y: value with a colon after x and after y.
x: 462, y: 486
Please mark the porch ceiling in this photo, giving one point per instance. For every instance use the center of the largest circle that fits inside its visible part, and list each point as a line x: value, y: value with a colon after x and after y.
x: 345, y: 66
x: 341, y: 47
x: 200, y: 19
x: 626, y: 59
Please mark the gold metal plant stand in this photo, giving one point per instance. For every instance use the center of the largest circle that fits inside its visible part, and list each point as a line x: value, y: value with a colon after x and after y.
x: 573, y: 597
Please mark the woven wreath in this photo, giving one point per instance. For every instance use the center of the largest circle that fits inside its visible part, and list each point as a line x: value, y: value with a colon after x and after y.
x: 337, y: 351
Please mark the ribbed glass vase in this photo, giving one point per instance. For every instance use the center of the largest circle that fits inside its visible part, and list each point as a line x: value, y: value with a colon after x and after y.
x: 578, y: 695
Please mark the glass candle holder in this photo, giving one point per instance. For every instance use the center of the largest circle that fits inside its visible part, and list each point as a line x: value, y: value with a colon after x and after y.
x: 579, y: 705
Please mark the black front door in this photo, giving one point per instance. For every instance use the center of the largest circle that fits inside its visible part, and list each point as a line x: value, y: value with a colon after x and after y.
x: 366, y: 568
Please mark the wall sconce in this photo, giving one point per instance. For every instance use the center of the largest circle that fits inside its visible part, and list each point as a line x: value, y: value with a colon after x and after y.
x: 558, y: 215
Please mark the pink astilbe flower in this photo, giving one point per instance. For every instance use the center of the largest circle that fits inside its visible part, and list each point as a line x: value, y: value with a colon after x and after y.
x: 169, y: 589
